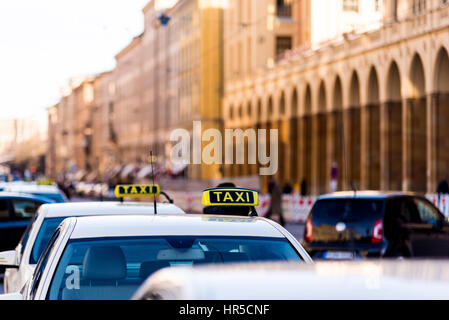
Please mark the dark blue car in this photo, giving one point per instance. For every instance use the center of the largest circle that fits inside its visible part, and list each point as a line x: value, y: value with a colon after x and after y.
x: 16, y: 210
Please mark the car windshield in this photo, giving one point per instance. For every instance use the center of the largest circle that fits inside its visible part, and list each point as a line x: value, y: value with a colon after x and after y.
x: 114, y: 268
x: 331, y: 211
x: 48, y: 227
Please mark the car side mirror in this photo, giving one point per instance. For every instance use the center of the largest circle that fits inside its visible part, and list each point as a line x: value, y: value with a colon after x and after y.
x: 8, y: 259
x: 11, y: 296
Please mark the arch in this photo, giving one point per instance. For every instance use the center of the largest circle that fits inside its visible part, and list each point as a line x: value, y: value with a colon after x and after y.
x: 249, y: 109
x: 441, y: 106
x: 320, y: 134
x: 259, y: 109
x: 283, y: 143
x: 354, y: 132
x: 373, y: 87
x: 308, y: 100
x: 441, y: 81
x: 240, y: 112
x: 338, y: 94
x: 282, y: 104
x: 417, y: 127
x: 393, y: 90
x: 354, y: 90
x: 321, y: 98
x: 270, y: 107
x: 259, y: 125
x: 373, y: 131
x: 306, y: 145
x: 294, y: 138
x: 416, y: 80
x: 393, y: 112
x: 231, y: 112
x: 336, y: 136
x: 294, y: 109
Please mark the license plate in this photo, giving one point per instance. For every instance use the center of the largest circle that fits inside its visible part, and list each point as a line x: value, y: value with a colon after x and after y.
x: 338, y: 255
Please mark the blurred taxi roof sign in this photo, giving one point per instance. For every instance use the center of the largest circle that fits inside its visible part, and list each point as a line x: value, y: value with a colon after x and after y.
x: 45, y: 182
x: 230, y: 197
x: 137, y: 191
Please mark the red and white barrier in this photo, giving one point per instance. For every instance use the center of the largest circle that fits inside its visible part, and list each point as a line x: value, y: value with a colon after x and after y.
x: 442, y: 203
x: 295, y: 207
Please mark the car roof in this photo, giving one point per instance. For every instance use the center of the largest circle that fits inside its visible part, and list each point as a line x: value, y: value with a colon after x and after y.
x: 30, y: 188
x: 164, y: 225
x: 353, y: 280
x: 70, y: 209
x: 365, y: 194
x: 8, y: 194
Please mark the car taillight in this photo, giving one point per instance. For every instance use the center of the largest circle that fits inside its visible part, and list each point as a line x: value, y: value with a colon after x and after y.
x: 309, y: 230
x: 377, y: 232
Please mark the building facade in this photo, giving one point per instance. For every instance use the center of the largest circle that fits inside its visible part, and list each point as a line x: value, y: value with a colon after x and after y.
x: 372, y: 104
x: 166, y: 78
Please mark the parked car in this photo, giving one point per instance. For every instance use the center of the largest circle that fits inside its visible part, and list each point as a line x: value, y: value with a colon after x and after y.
x: 347, y: 225
x: 16, y: 211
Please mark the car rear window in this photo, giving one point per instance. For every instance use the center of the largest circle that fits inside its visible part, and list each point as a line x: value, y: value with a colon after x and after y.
x: 331, y: 211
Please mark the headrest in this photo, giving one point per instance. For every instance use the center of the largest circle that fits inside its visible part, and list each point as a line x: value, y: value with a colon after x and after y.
x: 147, y: 268
x: 104, y: 263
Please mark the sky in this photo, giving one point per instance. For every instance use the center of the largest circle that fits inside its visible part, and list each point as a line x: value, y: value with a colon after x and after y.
x: 46, y: 42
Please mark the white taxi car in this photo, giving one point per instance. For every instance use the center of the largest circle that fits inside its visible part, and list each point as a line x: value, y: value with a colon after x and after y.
x: 347, y: 280
x: 108, y: 258
x: 22, y: 261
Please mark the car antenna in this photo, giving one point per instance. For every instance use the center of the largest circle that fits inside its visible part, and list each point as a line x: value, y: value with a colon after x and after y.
x: 152, y: 173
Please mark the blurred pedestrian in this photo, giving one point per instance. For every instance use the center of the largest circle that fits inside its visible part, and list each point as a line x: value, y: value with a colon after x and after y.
x: 334, y: 177
x: 275, y: 191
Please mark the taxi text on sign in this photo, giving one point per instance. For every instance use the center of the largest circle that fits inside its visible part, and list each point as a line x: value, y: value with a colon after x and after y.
x: 230, y: 197
x: 137, y: 191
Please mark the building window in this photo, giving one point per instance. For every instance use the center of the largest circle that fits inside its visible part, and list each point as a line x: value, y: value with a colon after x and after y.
x: 284, y: 8
x: 395, y: 10
x: 283, y: 44
x: 351, y: 5
x: 418, y: 6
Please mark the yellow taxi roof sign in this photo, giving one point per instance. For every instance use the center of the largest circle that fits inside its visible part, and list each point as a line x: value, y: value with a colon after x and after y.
x: 45, y: 182
x: 230, y: 197
x: 137, y: 191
